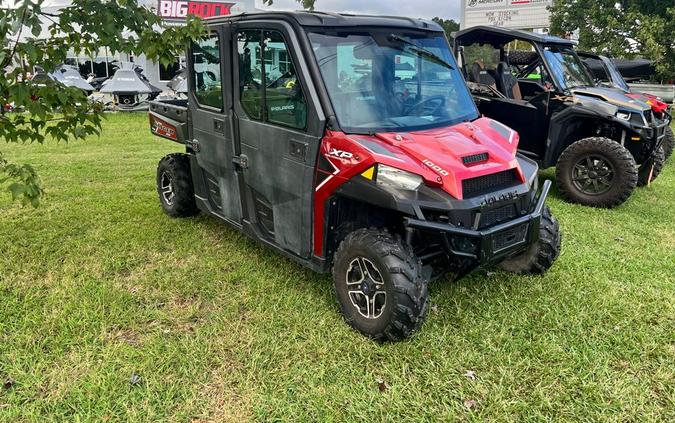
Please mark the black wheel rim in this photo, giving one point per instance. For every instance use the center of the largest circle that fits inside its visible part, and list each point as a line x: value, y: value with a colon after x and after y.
x: 366, y: 289
x: 166, y: 189
x: 593, y: 175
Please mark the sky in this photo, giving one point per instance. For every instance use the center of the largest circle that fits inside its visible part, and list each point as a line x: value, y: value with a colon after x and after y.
x: 446, y: 9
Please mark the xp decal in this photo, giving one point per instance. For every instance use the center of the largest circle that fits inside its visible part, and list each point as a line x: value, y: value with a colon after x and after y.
x: 340, y: 154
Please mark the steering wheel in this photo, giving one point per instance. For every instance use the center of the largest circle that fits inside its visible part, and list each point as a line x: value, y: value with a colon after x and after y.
x: 429, y: 109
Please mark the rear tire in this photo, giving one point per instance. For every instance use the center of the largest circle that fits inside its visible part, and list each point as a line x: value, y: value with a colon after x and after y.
x: 388, y: 301
x: 174, y: 186
x: 669, y: 143
x: 596, y: 172
x: 539, y: 258
x: 656, y: 162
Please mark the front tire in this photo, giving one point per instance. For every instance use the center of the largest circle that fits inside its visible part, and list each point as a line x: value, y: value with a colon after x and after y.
x: 174, y: 186
x: 379, y: 285
x: 596, y: 172
x: 656, y: 163
x: 539, y: 258
x: 669, y: 143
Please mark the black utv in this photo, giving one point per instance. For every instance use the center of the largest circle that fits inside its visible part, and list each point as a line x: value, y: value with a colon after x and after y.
x: 352, y: 145
x: 602, y: 142
x: 608, y: 74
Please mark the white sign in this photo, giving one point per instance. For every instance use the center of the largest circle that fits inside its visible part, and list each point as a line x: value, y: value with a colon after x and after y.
x: 482, y: 4
x: 522, y: 14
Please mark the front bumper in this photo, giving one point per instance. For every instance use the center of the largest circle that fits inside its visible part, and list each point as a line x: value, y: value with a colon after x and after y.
x: 490, y: 245
x: 651, y: 138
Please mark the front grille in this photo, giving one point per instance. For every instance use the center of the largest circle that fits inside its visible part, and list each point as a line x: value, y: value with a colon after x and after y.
x: 488, y: 183
x: 498, y: 215
x: 649, y: 117
x: 476, y: 158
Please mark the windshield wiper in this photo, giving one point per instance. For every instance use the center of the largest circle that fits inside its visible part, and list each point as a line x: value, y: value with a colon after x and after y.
x: 422, y: 52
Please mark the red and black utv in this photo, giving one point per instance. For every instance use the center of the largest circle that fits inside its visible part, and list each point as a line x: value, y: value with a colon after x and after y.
x: 607, y: 74
x: 603, y: 143
x: 351, y: 144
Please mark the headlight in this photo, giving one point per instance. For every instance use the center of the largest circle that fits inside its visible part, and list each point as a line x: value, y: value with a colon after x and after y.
x: 623, y: 115
x: 396, y: 178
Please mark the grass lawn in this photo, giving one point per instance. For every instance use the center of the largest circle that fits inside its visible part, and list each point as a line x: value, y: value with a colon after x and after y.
x: 98, y: 285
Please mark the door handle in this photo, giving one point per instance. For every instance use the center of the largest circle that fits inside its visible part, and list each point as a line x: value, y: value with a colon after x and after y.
x: 298, y: 149
x: 241, y: 161
x: 194, y: 145
x: 218, y: 126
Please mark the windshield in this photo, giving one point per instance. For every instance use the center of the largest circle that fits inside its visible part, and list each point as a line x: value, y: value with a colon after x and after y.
x: 616, y: 78
x: 567, y: 69
x: 379, y: 82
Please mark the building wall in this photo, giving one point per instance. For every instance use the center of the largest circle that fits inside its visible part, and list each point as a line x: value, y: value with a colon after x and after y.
x: 151, y: 69
x: 520, y: 14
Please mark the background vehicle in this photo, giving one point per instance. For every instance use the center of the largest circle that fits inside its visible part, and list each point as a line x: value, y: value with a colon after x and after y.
x: 607, y: 74
x: 320, y: 144
x: 602, y: 142
x: 63, y: 74
x: 130, y: 89
x: 70, y: 77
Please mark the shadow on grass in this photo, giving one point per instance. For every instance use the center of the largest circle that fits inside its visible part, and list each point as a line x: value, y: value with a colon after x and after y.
x: 470, y: 290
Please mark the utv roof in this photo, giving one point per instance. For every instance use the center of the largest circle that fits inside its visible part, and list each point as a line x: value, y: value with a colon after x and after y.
x: 632, y: 69
x: 497, y: 36
x: 317, y: 19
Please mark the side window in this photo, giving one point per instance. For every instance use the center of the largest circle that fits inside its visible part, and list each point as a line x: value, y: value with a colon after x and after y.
x: 206, y: 68
x: 250, y: 73
x: 268, y: 81
x: 286, y: 103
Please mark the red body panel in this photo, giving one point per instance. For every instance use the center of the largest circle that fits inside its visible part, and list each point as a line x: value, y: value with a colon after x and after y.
x: 436, y: 155
x: 162, y: 128
x: 658, y: 106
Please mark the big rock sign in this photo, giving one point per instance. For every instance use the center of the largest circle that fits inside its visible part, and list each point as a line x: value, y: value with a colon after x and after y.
x: 177, y: 9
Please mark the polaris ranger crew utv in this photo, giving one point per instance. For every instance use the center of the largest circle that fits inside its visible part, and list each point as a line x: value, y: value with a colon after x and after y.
x: 602, y: 143
x: 607, y: 75
x: 351, y: 144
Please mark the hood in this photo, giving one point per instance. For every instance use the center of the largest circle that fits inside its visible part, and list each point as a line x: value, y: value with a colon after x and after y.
x: 443, y: 157
x: 616, y: 98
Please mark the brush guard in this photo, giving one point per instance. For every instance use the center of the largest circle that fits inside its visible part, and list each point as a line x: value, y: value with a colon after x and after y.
x: 491, y: 245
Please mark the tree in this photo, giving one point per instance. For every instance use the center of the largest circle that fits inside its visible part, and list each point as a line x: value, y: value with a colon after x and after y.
x: 622, y: 28
x: 53, y: 110
x: 449, y: 26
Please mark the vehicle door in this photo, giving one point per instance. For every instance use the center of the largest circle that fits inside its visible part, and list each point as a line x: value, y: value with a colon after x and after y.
x: 279, y: 126
x: 212, y: 141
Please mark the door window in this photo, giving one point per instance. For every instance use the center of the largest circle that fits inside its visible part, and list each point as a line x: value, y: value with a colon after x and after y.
x: 250, y: 73
x: 207, y: 76
x: 269, y: 86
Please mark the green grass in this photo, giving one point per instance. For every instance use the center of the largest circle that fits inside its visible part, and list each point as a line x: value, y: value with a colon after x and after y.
x: 98, y: 284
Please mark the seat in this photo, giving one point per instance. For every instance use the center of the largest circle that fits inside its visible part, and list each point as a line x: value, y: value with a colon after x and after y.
x: 507, y: 84
x: 481, y: 76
